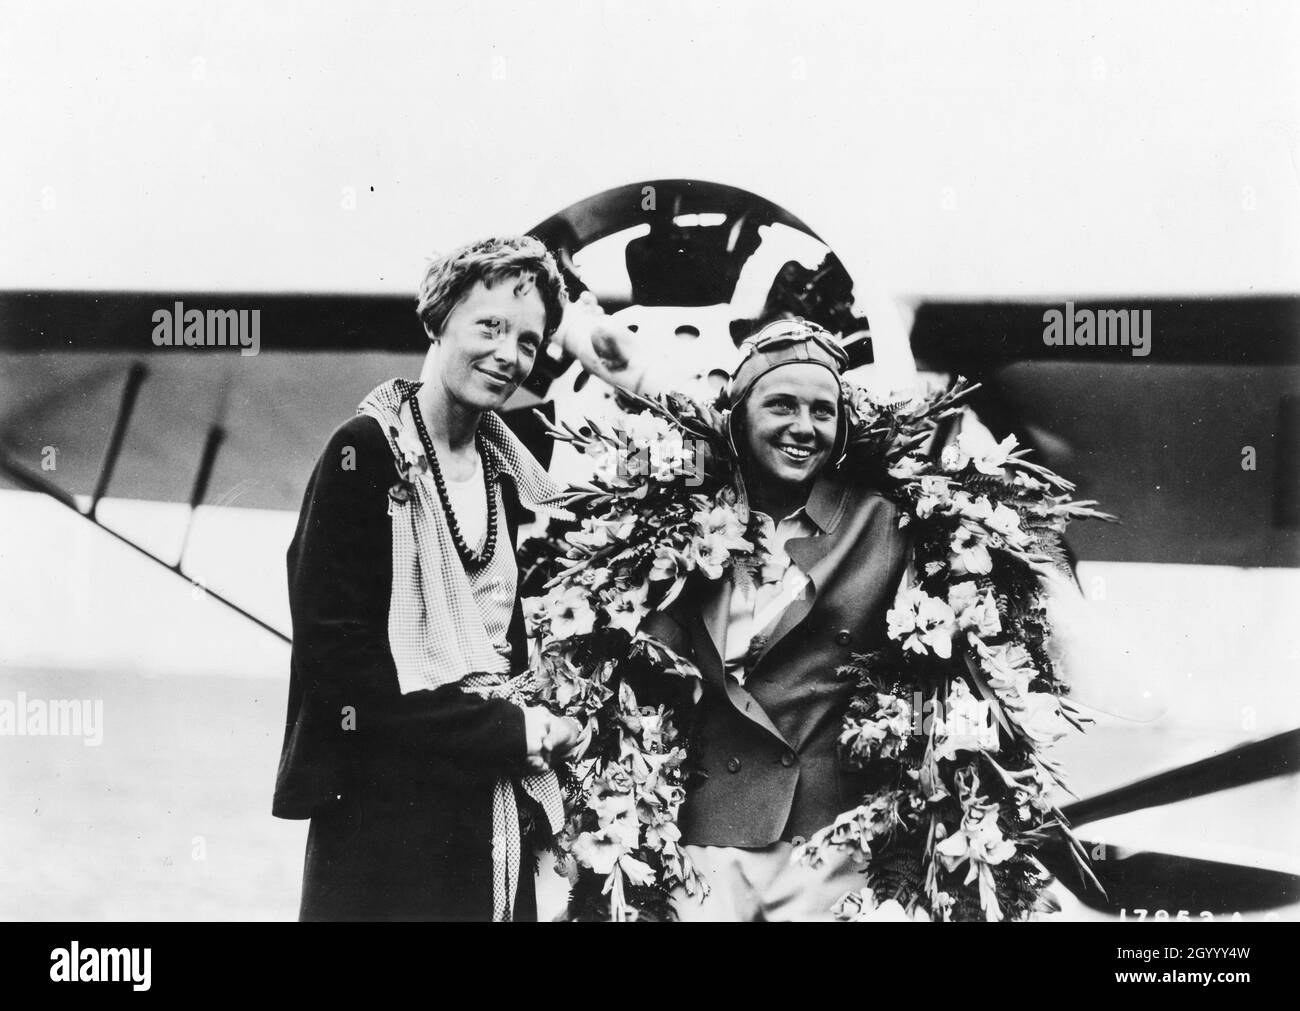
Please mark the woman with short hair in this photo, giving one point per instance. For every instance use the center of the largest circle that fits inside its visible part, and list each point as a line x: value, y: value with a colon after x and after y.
x: 424, y: 782
x: 767, y: 727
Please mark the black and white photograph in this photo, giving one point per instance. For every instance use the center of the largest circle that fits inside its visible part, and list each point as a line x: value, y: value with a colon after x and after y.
x: 611, y: 461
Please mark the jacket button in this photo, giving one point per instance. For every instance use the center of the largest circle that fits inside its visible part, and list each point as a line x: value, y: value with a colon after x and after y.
x: 733, y: 764
x: 798, y: 841
x: 788, y: 759
x: 842, y: 637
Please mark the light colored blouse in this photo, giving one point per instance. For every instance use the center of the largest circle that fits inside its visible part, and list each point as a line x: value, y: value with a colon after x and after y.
x: 494, y: 585
x: 756, y: 606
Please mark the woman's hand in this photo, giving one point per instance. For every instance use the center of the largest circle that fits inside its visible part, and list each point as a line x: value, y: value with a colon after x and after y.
x: 550, y: 738
x: 537, y: 722
x: 608, y: 350
x: 564, y: 737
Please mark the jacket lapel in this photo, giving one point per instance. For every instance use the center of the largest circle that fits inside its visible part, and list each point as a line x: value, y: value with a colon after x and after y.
x: 709, y: 626
x: 715, y: 612
x: 709, y: 618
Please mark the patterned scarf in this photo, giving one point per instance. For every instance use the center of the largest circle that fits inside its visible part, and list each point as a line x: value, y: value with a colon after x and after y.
x: 437, y: 634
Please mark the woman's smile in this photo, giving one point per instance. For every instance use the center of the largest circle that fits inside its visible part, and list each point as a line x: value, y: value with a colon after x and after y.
x: 496, y: 377
x: 800, y: 454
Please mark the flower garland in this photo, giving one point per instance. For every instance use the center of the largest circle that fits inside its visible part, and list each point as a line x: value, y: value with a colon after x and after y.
x: 952, y: 722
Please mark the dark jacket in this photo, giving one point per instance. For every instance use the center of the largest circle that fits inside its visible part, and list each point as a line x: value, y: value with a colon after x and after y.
x: 769, y: 750
x: 398, y: 787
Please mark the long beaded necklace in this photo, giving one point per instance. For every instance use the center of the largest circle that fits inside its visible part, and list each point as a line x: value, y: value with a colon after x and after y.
x: 472, y: 562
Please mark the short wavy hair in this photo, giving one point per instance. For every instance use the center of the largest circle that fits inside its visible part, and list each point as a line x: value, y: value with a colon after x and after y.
x: 521, y: 258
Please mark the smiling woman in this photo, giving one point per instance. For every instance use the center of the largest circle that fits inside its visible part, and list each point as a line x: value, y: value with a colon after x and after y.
x: 486, y: 310
x: 421, y: 776
x: 787, y: 418
x: 787, y: 427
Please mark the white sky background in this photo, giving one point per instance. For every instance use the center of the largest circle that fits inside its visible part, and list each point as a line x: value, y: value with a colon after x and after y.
x: 992, y: 150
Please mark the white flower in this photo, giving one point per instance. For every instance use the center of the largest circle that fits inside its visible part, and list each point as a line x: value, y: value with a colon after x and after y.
x: 989, y: 461
x: 570, y: 612
x: 720, y: 534
x: 610, y: 465
x: 1009, y: 671
x: 1006, y: 521
x: 723, y: 520
x: 593, y: 535
x: 963, y: 595
x: 668, y: 563
x: 597, y: 533
x: 602, y: 849
x: 920, y: 620
x: 1032, y: 483
x: 980, y: 841
x: 645, y: 428
x: 711, y: 555
x: 885, y: 734
x: 974, y: 613
x: 536, y: 614
x: 952, y: 459
x: 411, y: 448
x: 628, y: 608
x: 896, y: 715
x: 907, y: 467
x: 1037, y: 791
x: 969, y: 725
x: 652, y: 727
x: 926, y: 505
x: 613, y: 807
x: 593, y: 577
x: 668, y: 456
x: 970, y: 555
x: 1039, y: 716
x: 977, y: 509
x: 934, y: 495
